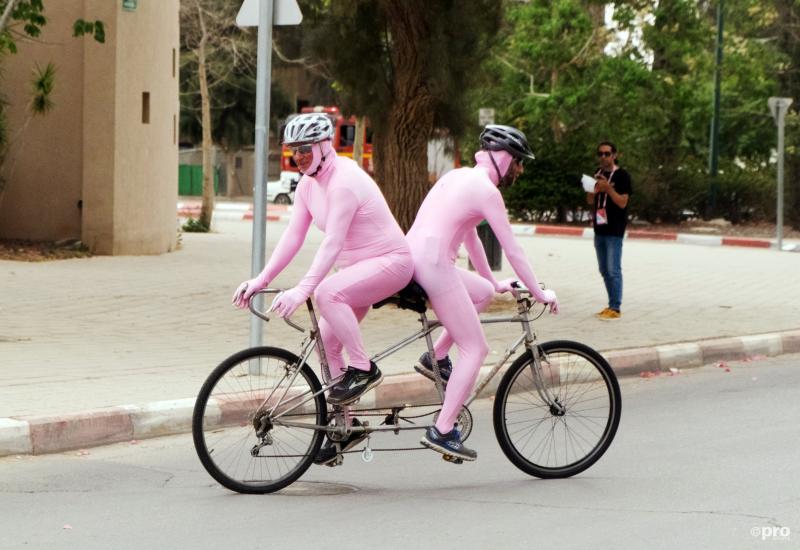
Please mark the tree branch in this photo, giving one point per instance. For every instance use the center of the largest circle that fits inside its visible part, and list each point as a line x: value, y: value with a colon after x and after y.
x: 6, y: 14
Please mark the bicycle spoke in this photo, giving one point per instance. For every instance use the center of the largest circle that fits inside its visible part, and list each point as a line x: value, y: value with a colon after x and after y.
x: 561, y: 438
x: 236, y: 403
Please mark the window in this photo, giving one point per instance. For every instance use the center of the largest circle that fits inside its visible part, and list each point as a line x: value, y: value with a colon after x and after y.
x: 238, y: 163
x: 174, y: 65
x: 347, y: 135
x: 145, y: 107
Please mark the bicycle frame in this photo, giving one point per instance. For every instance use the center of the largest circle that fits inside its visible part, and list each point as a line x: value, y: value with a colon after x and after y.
x: 313, y: 339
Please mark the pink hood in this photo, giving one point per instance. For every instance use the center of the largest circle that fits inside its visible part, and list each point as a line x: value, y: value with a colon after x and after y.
x: 324, y: 156
x: 502, y: 158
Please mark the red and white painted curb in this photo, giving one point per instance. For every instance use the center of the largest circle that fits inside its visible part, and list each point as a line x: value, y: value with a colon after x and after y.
x: 638, y: 234
x: 281, y: 212
x: 57, y: 433
x: 234, y: 211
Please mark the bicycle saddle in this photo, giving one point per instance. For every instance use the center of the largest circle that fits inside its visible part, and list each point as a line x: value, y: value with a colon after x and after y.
x: 411, y: 297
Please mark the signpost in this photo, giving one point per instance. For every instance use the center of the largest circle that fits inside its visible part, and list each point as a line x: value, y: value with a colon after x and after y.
x: 264, y: 14
x: 778, y: 106
x: 485, y: 116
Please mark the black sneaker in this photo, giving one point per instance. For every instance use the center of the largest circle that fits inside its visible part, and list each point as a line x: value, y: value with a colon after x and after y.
x: 447, y: 444
x: 425, y: 368
x: 327, y: 453
x: 354, y: 384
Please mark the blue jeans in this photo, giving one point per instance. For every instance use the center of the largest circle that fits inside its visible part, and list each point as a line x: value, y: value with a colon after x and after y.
x: 609, y: 259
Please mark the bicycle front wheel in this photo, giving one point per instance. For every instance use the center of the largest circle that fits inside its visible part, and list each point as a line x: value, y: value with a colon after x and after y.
x: 566, y: 436
x: 256, y: 420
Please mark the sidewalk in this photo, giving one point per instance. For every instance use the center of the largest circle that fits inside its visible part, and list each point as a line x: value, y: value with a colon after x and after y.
x: 86, y: 334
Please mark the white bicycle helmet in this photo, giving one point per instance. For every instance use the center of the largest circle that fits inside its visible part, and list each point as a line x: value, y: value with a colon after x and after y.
x: 307, y: 128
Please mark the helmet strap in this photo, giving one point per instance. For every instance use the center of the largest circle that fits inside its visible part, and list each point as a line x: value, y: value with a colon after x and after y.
x: 496, y: 168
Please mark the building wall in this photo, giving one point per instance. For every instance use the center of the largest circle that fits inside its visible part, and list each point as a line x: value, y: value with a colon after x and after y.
x: 43, y: 165
x: 146, y: 152
x: 97, y: 150
x: 99, y: 94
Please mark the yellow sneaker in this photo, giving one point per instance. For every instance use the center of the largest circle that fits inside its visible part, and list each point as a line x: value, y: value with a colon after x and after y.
x: 601, y: 313
x: 609, y: 315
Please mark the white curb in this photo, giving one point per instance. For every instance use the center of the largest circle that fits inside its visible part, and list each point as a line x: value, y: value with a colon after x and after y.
x: 15, y: 437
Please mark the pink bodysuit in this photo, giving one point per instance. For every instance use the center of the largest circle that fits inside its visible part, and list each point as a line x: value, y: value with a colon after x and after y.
x: 447, y: 218
x: 362, y: 239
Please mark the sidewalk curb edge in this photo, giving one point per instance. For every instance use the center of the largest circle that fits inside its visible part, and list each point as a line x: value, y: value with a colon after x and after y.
x: 58, y: 433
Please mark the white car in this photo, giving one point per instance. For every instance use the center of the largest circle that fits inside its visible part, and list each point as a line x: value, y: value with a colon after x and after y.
x: 282, y: 191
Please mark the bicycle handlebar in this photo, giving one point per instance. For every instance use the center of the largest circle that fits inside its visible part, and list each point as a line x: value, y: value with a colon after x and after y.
x: 252, y: 307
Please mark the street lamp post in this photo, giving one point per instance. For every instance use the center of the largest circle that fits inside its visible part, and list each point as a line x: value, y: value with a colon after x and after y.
x: 713, y: 160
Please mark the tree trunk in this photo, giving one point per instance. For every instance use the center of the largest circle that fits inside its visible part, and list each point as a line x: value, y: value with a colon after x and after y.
x: 231, y: 179
x: 401, y: 161
x: 358, y: 143
x: 555, y: 123
x: 207, y: 209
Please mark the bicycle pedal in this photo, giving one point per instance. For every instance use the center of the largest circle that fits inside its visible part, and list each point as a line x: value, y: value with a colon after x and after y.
x: 452, y: 459
x: 338, y: 462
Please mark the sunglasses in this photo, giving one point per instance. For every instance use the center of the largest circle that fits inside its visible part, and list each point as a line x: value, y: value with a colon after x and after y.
x: 302, y: 149
x: 605, y: 153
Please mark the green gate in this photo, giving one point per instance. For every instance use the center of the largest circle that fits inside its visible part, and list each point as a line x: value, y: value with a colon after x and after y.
x: 190, y: 180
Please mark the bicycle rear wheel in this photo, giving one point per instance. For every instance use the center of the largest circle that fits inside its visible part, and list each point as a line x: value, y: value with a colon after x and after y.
x: 241, y: 420
x: 564, y: 438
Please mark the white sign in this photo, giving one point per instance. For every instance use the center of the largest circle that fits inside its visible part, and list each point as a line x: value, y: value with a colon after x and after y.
x: 778, y: 107
x: 485, y: 116
x: 588, y: 183
x: 284, y: 12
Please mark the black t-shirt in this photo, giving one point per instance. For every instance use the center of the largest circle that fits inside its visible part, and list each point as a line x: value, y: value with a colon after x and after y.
x: 617, y: 217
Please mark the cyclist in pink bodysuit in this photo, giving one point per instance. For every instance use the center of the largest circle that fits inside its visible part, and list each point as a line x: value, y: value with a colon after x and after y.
x: 447, y: 218
x: 362, y: 239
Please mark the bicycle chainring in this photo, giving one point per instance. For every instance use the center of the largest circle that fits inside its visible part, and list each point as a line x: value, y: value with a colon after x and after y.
x: 464, y: 422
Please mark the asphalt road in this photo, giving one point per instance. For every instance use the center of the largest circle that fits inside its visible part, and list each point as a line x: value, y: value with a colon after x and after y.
x: 704, y: 459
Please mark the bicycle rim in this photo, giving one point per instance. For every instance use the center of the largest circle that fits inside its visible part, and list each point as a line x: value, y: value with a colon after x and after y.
x: 563, y: 440
x: 238, y: 425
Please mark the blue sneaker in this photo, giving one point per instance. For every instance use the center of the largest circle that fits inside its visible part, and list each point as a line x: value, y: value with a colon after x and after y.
x: 447, y: 444
x: 425, y: 368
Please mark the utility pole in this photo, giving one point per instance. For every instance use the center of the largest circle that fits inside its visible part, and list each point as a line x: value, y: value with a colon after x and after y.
x: 713, y: 161
x: 263, y: 14
x: 779, y: 106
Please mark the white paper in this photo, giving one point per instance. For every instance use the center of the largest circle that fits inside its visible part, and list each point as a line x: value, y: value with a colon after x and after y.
x: 588, y: 183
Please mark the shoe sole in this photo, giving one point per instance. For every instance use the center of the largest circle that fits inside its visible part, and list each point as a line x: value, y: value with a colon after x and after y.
x: 609, y: 318
x: 357, y: 397
x: 446, y: 450
x: 428, y: 374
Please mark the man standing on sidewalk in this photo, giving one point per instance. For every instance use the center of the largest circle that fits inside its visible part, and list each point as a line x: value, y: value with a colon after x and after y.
x: 609, y: 218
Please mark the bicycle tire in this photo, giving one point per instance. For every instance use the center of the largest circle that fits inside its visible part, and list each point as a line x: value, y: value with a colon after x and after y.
x: 228, y: 418
x: 590, y: 374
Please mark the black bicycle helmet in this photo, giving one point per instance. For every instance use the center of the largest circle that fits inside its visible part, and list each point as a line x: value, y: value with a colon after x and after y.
x: 496, y: 137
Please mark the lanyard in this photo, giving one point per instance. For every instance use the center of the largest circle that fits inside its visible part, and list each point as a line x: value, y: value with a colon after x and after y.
x: 611, y: 175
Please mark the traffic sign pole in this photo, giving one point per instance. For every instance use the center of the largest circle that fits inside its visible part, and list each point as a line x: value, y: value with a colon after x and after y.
x: 779, y: 107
